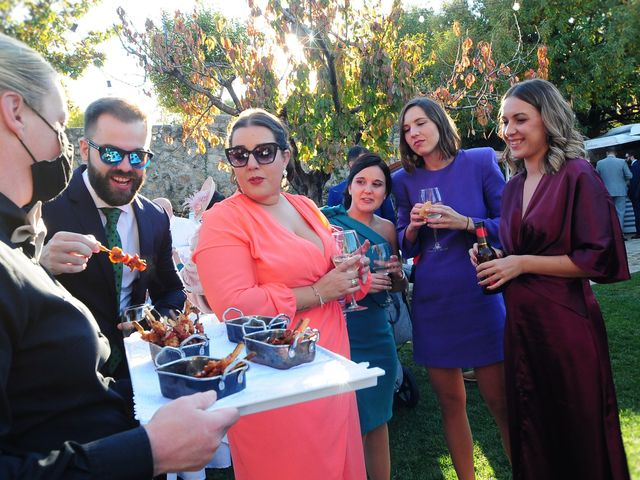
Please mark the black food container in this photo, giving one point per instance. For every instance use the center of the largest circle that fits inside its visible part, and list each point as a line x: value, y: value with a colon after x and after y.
x: 238, y: 326
x: 302, y: 350
x: 198, y: 345
x: 177, y: 377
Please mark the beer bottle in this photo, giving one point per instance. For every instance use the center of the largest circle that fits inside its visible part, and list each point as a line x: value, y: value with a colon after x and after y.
x: 485, y: 252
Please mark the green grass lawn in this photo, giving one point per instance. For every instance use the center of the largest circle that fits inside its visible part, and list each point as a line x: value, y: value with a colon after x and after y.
x: 417, y: 444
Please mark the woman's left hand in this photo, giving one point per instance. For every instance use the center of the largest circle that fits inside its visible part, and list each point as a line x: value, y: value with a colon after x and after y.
x: 450, y: 218
x: 380, y: 282
x: 498, y: 272
x: 394, y: 266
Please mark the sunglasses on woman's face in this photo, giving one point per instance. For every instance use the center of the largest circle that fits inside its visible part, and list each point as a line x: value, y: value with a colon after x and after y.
x: 264, y: 154
x: 139, y: 158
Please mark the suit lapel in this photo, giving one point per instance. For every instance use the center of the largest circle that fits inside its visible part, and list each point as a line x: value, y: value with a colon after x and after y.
x: 86, y: 213
x: 145, y: 239
x: 145, y: 228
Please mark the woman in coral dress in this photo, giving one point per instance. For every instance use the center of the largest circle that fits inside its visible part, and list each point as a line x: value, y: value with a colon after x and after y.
x: 268, y: 252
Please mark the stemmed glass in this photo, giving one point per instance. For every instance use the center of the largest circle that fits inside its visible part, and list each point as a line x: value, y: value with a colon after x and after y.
x: 432, y: 195
x: 138, y: 313
x: 348, y: 246
x: 380, y: 254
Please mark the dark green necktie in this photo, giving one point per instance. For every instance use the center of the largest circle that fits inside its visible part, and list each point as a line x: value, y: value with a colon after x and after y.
x: 113, y: 240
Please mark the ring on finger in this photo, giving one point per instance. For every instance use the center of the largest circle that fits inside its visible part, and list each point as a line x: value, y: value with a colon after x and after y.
x: 354, y: 282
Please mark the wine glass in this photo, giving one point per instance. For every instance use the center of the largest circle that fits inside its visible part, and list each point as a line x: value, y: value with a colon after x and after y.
x: 138, y: 313
x: 348, y: 246
x: 380, y: 254
x: 432, y: 195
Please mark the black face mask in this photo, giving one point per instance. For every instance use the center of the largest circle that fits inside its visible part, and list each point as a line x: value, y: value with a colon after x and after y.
x: 50, y: 178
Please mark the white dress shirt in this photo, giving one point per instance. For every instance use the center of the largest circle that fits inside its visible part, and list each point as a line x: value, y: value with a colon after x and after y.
x: 128, y: 231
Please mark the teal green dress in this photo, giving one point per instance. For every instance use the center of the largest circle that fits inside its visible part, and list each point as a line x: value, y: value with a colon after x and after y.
x: 370, y: 337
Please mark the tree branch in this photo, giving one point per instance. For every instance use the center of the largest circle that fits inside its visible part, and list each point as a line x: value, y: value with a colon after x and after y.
x: 329, y: 59
x: 217, y: 102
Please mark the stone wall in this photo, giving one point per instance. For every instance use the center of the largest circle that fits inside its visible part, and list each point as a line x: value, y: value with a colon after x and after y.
x: 177, y: 171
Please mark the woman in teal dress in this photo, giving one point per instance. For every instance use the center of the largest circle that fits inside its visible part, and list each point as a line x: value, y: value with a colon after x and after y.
x: 370, y: 334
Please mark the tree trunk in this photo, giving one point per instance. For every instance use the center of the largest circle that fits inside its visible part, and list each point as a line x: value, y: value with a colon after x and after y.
x: 310, y: 184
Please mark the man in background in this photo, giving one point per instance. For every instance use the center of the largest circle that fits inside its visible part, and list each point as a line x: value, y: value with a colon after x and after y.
x: 336, y: 194
x: 103, y: 206
x: 634, y: 191
x: 615, y: 174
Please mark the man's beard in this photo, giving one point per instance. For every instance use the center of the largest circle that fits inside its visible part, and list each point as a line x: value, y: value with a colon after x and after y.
x: 102, y: 185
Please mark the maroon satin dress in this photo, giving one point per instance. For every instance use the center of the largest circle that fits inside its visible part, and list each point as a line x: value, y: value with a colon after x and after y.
x: 563, y: 415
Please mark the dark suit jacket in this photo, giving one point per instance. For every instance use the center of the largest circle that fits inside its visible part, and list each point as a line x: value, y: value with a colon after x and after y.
x: 634, y: 185
x: 75, y: 211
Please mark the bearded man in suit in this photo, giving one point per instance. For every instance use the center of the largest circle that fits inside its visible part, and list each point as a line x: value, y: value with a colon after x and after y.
x: 103, y: 206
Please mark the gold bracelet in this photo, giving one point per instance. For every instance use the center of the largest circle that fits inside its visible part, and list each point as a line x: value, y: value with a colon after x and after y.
x: 317, y: 294
x: 467, y: 229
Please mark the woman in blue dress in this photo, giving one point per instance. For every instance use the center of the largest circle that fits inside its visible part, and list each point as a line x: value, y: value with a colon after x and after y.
x: 454, y: 324
x: 370, y: 335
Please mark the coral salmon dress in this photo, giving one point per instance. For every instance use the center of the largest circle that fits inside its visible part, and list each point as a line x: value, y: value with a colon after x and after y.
x: 246, y: 259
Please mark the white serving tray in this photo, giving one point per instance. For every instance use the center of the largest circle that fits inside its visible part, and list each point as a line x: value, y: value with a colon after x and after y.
x: 267, y: 388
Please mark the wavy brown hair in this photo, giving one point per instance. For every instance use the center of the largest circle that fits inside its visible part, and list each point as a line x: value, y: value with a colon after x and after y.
x: 449, y: 142
x: 565, y: 142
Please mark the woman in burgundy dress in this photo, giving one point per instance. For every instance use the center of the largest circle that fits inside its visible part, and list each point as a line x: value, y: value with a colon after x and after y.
x: 559, y: 229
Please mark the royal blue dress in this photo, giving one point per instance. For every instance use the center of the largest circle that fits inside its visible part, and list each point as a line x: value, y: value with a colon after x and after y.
x: 454, y: 323
x: 370, y: 337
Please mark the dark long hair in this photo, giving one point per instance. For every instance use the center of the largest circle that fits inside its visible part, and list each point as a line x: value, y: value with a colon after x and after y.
x: 367, y: 160
x: 256, y: 117
x: 449, y: 142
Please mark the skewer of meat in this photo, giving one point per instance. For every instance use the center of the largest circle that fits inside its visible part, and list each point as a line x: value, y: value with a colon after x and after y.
x: 116, y: 255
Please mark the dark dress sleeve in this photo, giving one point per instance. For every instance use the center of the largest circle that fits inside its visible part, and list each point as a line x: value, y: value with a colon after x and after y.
x: 387, y: 210
x: 596, y: 237
x: 493, y: 184
x: 336, y: 194
x: 125, y: 455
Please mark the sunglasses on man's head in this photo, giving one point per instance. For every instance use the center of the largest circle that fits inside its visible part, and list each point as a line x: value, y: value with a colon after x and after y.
x: 264, y: 154
x: 139, y: 158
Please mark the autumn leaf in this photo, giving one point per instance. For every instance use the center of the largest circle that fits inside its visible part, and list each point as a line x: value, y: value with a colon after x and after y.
x: 469, y: 80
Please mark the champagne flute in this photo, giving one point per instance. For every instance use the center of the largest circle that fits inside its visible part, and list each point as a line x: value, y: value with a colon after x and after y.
x: 432, y: 196
x: 380, y: 254
x: 348, y: 246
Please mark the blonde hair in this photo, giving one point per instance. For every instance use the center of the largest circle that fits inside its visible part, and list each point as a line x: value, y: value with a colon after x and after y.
x: 565, y: 142
x: 24, y: 71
